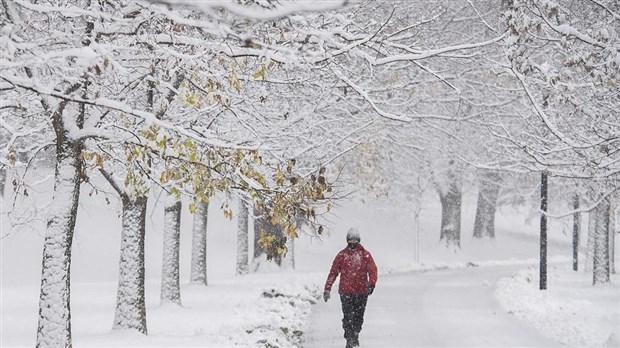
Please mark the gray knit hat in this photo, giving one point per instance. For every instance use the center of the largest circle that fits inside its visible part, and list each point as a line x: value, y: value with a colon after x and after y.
x: 353, y: 234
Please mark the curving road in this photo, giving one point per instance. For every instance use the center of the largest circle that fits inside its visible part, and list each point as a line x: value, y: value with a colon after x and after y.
x: 448, y: 308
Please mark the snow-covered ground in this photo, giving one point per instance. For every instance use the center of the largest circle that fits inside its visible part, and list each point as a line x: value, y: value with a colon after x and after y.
x: 275, y: 308
x: 571, y: 311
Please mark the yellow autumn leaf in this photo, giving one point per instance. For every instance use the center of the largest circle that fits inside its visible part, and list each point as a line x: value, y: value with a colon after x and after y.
x: 261, y: 73
x: 291, y: 231
x: 193, y: 156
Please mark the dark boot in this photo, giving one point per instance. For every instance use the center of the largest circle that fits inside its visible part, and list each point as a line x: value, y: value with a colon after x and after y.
x: 349, y: 343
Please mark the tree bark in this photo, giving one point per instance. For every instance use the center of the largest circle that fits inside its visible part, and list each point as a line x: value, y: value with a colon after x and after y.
x: 54, y: 326
x: 416, y: 236
x: 170, y: 288
x: 288, y: 261
x: 2, y: 181
x: 451, y: 216
x: 543, y: 232
x: 484, y: 225
x: 590, y: 245
x: 130, y: 303
x: 199, y: 244
x: 258, y: 225
x: 601, y: 245
x: 276, y: 231
x: 576, y: 228
x: 242, y: 238
x: 266, y: 227
x: 612, y: 234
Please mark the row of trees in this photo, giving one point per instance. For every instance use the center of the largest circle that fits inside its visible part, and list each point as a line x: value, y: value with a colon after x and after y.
x: 571, y: 82
x: 141, y: 95
x: 543, y: 100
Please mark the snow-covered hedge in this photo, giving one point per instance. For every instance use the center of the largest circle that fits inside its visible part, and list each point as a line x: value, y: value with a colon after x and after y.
x: 279, y: 317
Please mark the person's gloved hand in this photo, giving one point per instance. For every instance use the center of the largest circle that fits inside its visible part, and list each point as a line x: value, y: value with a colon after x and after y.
x: 370, y: 288
x: 326, y: 295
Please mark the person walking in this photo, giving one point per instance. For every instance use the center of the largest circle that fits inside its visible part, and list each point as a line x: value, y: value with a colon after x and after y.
x: 358, y: 277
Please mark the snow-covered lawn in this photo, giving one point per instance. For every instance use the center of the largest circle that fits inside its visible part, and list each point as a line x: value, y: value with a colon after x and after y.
x: 266, y: 310
x: 570, y: 311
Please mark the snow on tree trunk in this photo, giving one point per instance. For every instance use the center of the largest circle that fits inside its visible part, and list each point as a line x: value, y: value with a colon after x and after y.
x: 451, y: 216
x: 262, y: 226
x: 416, y: 236
x: 590, y: 244
x: 484, y: 225
x: 199, y: 244
x: 130, y: 305
x: 258, y: 221
x: 2, y: 181
x: 54, y: 327
x: 543, y: 231
x: 288, y: 261
x: 612, y: 235
x: 242, y: 238
x: 601, y: 245
x: 612, y: 251
x: 258, y: 250
x: 576, y: 229
x: 170, y: 289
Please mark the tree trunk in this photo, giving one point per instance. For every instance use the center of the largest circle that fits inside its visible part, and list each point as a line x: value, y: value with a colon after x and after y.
x: 2, y: 181
x: 170, y: 288
x: 54, y: 327
x: 276, y: 231
x: 590, y: 245
x: 416, y: 237
x: 451, y: 216
x: 484, y: 225
x: 242, y: 238
x: 258, y: 249
x: 543, y: 232
x: 262, y: 226
x: 612, y: 235
x: 576, y: 228
x: 258, y: 226
x: 199, y: 244
x: 279, y: 236
x: 130, y: 304
x: 288, y: 260
x: 612, y: 251
x: 601, y: 245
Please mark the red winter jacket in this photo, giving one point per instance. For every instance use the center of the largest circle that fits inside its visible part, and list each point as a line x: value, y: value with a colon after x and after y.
x: 357, y: 269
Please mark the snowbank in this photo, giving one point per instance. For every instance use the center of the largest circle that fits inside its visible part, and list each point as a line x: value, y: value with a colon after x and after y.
x: 570, y: 311
x: 278, y: 318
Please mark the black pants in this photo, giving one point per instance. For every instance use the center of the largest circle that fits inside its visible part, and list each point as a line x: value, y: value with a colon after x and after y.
x: 353, y: 308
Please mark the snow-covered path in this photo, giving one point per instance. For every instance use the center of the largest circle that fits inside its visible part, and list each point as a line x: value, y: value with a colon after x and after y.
x: 447, y: 308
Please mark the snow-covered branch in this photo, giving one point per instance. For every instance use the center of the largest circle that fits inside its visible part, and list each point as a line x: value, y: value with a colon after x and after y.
x: 616, y: 15
x: 540, y: 112
x: 436, y: 52
x: 568, y: 30
x: 68, y: 11
x: 255, y: 12
x: 148, y: 117
x: 368, y: 99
